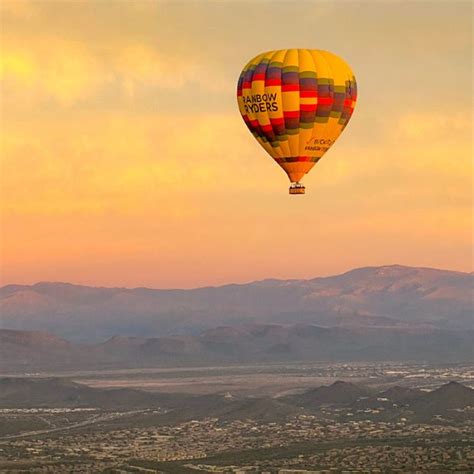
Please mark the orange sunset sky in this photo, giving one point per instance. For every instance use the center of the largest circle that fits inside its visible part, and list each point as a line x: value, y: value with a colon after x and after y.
x: 124, y: 160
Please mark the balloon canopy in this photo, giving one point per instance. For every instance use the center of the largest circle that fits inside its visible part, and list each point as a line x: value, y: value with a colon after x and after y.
x: 296, y: 103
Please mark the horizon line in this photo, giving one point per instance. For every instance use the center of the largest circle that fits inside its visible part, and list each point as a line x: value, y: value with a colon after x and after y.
x: 250, y: 282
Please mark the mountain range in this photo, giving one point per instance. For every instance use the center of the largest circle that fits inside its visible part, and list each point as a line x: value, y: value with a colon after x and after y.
x: 374, y: 313
x: 396, y: 297
x: 27, y: 351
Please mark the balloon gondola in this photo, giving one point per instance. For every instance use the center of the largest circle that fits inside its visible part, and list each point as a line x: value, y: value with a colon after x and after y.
x: 297, y: 188
x: 296, y: 103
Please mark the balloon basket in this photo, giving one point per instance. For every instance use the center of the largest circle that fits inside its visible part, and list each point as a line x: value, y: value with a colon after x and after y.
x: 297, y: 188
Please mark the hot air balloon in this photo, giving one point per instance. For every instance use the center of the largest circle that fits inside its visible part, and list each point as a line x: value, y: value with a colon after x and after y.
x: 296, y: 102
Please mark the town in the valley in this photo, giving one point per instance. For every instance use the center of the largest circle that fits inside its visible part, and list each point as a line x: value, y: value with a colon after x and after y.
x: 365, y: 418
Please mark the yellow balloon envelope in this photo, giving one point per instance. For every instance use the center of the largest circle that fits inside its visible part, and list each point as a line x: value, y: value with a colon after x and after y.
x: 296, y: 102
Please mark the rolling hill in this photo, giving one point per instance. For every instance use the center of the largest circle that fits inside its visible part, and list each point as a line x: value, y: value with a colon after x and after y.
x: 64, y: 393
x: 445, y: 401
x: 339, y: 393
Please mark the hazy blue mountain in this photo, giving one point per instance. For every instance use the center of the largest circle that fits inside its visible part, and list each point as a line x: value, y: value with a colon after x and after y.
x: 252, y: 343
x: 375, y: 297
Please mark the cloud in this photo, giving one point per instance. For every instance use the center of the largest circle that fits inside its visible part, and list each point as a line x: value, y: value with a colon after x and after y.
x: 66, y: 73
x: 137, y: 66
x: 65, y: 55
x: 429, y: 126
x: 72, y: 73
x: 94, y: 164
x: 18, y: 9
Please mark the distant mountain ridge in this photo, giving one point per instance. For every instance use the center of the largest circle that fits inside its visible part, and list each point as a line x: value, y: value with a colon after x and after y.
x: 29, y: 351
x: 374, y: 297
